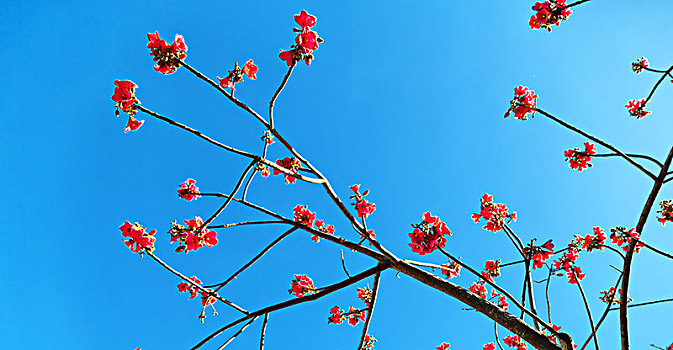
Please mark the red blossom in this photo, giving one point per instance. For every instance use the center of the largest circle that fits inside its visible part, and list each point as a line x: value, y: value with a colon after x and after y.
x: 306, y: 41
x: 523, y: 103
x: 451, y: 269
x: 303, y: 19
x: 595, y: 241
x: 236, y: 75
x: 580, y: 160
x: 637, y: 108
x: 479, y: 289
x: 336, y: 316
x: 365, y: 294
x: 428, y: 236
x: 192, y: 236
x: 549, y: 13
x: 138, y: 239
x: 291, y: 164
x: 489, y: 346
x: 443, y: 346
x: 302, y: 285
x: 640, y: 65
x: 666, y: 212
x: 502, y: 302
x: 539, y: 254
x: 495, y: 214
x: 166, y: 56
x: 369, y: 342
x: 133, y: 124
x: 188, y: 191
x: 355, y: 316
x: 303, y: 216
x: 363, y: 207
x: 621, y: 237
x: 575, y: 274
x: 515, y: 342
x: 124, y: 96
x: 187, y: 287
x: 320, y: 225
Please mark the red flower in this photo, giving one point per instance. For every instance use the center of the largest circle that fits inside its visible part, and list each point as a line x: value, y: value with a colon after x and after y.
x: 139, y: 240
x: 365, y: 294
x: 581, y: 160
x: 523, y: 103
x: 489, y: 346
x: 336, y: 316
x: 291, y: 164
x: 192, y: 236
x: 369, y: 342
x: 443, y: 346
x: 428, y: 236
x: 355, y: 316
x: 320, y: 225
x: 515, y: 341
x: 494, y: 213
x: 302, y: 285
x: 502, y: 302
x: 124, y: 96
x: 308, y: 40
x: 640, y: 65
x: 591, y: 242
x: 166, y: 56
x: 666, y: 212
x: 133, y: 124
x: 451, y: 270
x: 188, y: 190
x: 637, y: 108
x: 621, y: 237
x: 362, y: 206
x: 303, y: 216
x: 549, y: 13
x: 539, y: 254
x: 303, y: 19
x: 186, y: 287
x: 575, y: 275
x: 289, y: 56
x: 236, y: 75
x: 479, y: 289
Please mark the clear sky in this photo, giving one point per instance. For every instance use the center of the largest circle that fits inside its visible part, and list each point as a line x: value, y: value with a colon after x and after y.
x: 404, y: 97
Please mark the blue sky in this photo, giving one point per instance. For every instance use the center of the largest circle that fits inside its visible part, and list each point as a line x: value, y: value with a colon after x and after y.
x: 406, y: 98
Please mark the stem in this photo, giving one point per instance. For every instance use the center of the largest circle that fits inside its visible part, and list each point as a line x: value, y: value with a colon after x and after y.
x: 623, y: 310
x: 646, y: 303
x: 529, y: 277
x: 237, y: 333
x: 280, y: 88
x: 248, y: 223
x: 375, y: 290
x: 586, y: 305
x: 343, y: 263
x: 605, y: 313
x: 655, y: 249
x: 228, y: 200
x: 261, y: 338
x: 630, y: 155
x: 663, y: 76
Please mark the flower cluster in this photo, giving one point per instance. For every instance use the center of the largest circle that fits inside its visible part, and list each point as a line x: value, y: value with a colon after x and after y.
x: 366, y: 295
x: 139, y: 239
x: 291, y: 164
x: 320, y: 225
x: 369, y: 342
x: 443, y: 346
x: 302, y: 285
x: 306, y: 41
x: 354, y: 316
x: 523, y: 103
x: 451, y: 269
x: 502, y: 302
x: 303, y: 216
x: 609, y: 296
x: 428, y: 236
x: 639, y: 65
x: 166, y: 56
x: 363, y: 207
x: 491, y: 269
x: 489, y: 346
x: 595, y: 241
x: 124, y: 96
x: 580, y: 160
x: 208, y: 296
x: 495, y: 214
x: 236, y: 75
x: 267, y: 137
x: 549, y: 13
x: 567, y: 263
x: 188, y: 191
x: 515, y: 342
x: 193, y: 236
x: 539, y: 254
x: 622, y: 236
x: 637, y: 108
x: 479, y: 289
x: 666, y: 211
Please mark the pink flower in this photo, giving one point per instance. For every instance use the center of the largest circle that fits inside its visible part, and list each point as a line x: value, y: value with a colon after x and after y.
x: 640, y: 65
x: 303, y: 19
x: 428, y: 236
x: 362, y: 206
x: 186, y: 287
x: 133, y: 124
x: 636, y: 108
x: 250, y: 70
x: 306, y: 41
x: 188, y: 191
x: 124, y: 96
x: 515, y: 342
x: 495, y: 214
x: 479, y: 289
x: 549, y: 13
x: 193, y: 236
x: 236, y: 75
x: 303, y: 216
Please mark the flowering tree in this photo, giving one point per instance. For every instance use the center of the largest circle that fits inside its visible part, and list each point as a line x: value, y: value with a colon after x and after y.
x: 429, y: 235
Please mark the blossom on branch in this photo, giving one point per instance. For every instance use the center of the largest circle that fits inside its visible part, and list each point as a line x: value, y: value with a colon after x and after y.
x: 595, y: 241
x: 369, y: 342
x: 124, y: 96
x: 609, y: 296
x: 622, y: 237
x: 523, y: 103
x: 366, y: 295
x: 443, y: 346
x: 302, y: 285
x: 306, y: 41
x: 303, y: 216
x: 640, y: 65
x: 451, y: 269
x: 291, y: 164
x: 192, y: 236
x: 188, y: 191
x: 549, y: 13
x: 479, y: 289
x: 139, y: 240
x: 166, y: 56
x: 320, y: 225
x: 539, y: 254
x: 489, y: 346
x: 428, y: 235
x: 580, y: 160
x: 515, y: 342
x: 363, y: 207
x: 495, y: 214
x: 637, y: 108
x: 236, y: 75
x: 186, y: 287
x: 666, y: 211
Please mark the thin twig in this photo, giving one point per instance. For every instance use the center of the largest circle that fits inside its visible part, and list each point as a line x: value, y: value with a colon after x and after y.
x: 586, y: 305
x: 245, y: 223
x: 645, y: 303
x: 375, y: 290
x: 605, y: 313
x: 237, y: 333
x: 228, y: 200
x: 280, y: 88
x: 343, y: 263
x: 630, y: 155
x: 261, y: 337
